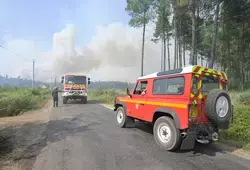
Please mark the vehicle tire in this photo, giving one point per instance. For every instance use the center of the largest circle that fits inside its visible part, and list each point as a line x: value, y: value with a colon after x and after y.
x: 65, y: 100
x: 218, y: 106
x: 166, y: 135
x: 122, y: 119
x: 84, y: 100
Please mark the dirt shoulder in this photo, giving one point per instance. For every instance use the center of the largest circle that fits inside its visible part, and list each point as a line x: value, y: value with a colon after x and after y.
x: 21, y: 135
x: 219, y: 145
x: 41, y: 115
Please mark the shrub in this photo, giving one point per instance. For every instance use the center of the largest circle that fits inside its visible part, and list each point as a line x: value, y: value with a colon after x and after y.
x: 240, y: 97
x: 106, y: 95
x: 240, y: 130
x: 14, y: 101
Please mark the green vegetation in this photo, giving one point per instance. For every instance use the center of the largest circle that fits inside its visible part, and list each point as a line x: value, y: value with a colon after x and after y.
x: 215, y: 32
x: 237, y: 135
x: 106, y: 96
x: 14, y: 101
x: 239, y: 132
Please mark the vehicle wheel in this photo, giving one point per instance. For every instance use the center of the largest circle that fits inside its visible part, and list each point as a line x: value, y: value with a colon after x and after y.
x: 166, y: 135
x: 218, y: 106
x: 65, y: 100
x: 84, y: 100
x: 122, y: 119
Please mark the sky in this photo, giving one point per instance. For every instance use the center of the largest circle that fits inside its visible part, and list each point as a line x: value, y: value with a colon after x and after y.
x: 73, y: 36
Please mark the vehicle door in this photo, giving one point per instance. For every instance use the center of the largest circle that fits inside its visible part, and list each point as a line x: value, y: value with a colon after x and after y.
x: 139, y: 95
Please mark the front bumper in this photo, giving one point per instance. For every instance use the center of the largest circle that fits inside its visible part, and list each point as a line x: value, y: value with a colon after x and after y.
x: 74, y: 94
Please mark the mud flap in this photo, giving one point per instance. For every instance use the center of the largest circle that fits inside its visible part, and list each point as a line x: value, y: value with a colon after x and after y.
x: 189, y: 141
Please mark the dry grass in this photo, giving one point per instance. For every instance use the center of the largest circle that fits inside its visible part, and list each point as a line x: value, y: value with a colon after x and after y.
x: 15, y: 101
x: 19, y: 136
x: 41, y: 115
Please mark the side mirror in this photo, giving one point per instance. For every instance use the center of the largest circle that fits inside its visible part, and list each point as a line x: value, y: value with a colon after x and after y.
x: 128, y: 92
x: 88, y: 80
x: 62, y: 80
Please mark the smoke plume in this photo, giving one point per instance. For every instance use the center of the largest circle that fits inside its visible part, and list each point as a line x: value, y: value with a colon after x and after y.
x: 114, y: 53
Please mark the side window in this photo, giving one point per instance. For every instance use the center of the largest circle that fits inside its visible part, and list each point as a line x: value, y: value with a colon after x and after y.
x: 195, y: 85
x: 159, y: 86
x: 175, y: 85
x: 141, y: 86
x: 169, y: 86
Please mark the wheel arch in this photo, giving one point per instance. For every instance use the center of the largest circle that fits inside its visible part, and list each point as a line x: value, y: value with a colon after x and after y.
x: 166, y: 112
x: 120, y: 104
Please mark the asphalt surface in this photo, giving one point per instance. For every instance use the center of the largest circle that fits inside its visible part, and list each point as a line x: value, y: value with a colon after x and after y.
x: 85, y: 136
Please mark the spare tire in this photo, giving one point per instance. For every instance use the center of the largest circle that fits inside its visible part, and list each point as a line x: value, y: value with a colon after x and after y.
x: 218, y: 106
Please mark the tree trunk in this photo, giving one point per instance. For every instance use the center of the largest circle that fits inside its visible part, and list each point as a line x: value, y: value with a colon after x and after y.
x: 214, y: 40
x: 168, y: 55
x: 164, y: 40
x: 177, y: 53
x: 179, y: 40
x: 143, y: 41
x: 192, y: 60
x: 184, y: 50
x: 164, y: 52
x: 196, y: 31
x: 243, y: 56
x: 180, y: 53
x: 175, y: 33
x: 175, y: 44
x: 161, y: 54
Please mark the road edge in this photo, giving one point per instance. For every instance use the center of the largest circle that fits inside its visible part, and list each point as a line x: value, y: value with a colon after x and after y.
x: 218, y: 145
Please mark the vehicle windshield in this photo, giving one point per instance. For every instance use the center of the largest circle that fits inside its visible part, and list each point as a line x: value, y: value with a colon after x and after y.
x: 208, y: 84
x: 75, y: 80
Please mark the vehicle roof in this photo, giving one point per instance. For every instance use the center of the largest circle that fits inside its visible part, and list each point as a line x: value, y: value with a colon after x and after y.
x: 75, y: 75
x: 184, y: 70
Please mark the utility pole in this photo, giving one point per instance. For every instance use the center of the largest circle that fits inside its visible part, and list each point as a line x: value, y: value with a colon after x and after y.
x: 33, y: 76
x: 55, y: 81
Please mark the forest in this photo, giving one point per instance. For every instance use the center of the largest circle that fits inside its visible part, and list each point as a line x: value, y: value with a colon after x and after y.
x: 216, y: 33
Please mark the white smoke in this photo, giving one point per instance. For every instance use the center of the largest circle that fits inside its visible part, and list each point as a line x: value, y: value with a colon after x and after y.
x: 114, y: 53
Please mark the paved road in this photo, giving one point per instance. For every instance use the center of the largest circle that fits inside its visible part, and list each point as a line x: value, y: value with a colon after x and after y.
x: 83, y: 137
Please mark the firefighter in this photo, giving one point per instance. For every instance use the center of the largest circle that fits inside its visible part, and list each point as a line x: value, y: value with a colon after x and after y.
x: 55, y: 96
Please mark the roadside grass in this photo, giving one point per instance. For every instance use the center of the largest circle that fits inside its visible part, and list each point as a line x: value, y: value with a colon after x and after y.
x: 105, y: 96
x: 238, y: 135
x: 14, y: 101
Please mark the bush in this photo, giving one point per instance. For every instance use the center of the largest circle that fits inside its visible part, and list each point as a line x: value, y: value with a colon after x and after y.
x: 240, y: 130
x: 14, y: 101
x: 106, y: 95
x: 240, y: 98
